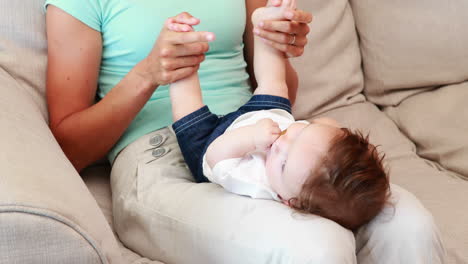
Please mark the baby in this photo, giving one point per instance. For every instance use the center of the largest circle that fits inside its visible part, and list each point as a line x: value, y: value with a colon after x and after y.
x: 262, y: 152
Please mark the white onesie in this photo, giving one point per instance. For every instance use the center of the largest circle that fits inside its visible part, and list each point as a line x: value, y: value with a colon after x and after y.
x: 247, y: 175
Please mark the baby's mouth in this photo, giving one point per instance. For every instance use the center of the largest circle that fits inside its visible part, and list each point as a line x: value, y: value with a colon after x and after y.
x: 268, y: 151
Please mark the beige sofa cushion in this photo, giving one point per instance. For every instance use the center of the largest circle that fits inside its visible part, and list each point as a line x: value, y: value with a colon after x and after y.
x: 330, y: 69
x: 437, y: 121
x: 444, y: 196
x: 411, y: 46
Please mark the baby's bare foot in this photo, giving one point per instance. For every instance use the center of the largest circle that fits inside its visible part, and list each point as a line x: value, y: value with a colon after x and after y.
x: 272, y: 12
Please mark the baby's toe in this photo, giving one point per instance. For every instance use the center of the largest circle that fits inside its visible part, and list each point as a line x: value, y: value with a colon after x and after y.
x: 293, y: 5
x: 286, y: 4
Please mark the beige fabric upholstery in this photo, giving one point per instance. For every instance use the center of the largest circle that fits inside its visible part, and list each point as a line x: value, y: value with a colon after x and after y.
x: 32, y: 235
x: 35, y: 172
x: 23, y: 47
x: 33, y: 169
x: 330, y: 69
x: 444, y: 196
x: 410, y: 49
x: 410, y: 46
x: 437, y: 122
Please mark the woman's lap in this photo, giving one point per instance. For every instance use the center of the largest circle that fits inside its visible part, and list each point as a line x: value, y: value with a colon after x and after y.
x: 161, y: 213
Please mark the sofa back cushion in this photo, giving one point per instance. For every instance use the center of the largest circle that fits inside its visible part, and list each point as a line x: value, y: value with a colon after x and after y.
x: 23, y: 47
x: 329, y: 72
x: 411, y: 46
x: 437, y: 122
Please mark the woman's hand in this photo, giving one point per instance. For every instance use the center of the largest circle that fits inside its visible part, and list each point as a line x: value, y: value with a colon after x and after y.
x: 288, y: 36
x: 175, y: 55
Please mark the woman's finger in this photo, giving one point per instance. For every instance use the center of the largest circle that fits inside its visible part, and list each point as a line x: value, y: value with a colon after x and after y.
x: 290, y: 27
x: 181, y: 62
x: 190, y: 37
x: 179, y: 27
x: 298, y: 15
x: 190, y: 49
x: 178, y: 74
x: 182, y: 50
x: 281, y: 38
x: 289, y: 50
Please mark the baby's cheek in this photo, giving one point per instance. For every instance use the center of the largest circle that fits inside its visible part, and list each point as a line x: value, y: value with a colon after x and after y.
x: 272, y: 172
x: 278, y: 145
x: 268, y: 166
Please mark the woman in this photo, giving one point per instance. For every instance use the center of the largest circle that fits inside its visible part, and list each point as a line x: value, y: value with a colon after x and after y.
x: 122, y: 51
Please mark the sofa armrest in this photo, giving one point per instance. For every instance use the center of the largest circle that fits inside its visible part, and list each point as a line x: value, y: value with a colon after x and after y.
x: 44, y: 204
x: 35, y: 235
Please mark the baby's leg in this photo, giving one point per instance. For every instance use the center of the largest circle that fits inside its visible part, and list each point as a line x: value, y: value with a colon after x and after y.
x: 186, y: 96
x: 270, y: 63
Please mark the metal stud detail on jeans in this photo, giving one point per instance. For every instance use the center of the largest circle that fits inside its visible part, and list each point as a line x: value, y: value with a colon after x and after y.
x: 158, y: 152
x: 156, y: 140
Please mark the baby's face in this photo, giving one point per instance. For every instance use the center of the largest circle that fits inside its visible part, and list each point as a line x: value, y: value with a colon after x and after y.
x: 295, y: 154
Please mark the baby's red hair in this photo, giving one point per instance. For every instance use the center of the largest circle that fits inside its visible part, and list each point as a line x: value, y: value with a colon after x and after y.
x: 350, y: 185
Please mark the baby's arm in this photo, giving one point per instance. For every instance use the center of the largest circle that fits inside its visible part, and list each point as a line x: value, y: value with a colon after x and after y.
x: 240, y: 141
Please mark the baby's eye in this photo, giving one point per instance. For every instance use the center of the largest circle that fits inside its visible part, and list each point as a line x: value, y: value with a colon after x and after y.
x: 283, y: 165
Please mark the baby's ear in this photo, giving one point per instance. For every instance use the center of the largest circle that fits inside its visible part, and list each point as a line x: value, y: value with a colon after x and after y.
x: 286, y: 202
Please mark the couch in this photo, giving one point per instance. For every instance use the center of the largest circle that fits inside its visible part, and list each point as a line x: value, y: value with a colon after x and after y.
x: 396, y: 69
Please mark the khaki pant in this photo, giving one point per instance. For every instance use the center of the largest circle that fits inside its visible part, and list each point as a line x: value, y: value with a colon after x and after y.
x: 162, y: 214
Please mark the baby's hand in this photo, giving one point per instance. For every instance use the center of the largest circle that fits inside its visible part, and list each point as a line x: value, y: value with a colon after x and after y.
x: 266, y: 132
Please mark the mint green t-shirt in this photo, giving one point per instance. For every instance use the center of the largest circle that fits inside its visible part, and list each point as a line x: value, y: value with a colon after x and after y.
x: 129, y: 29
